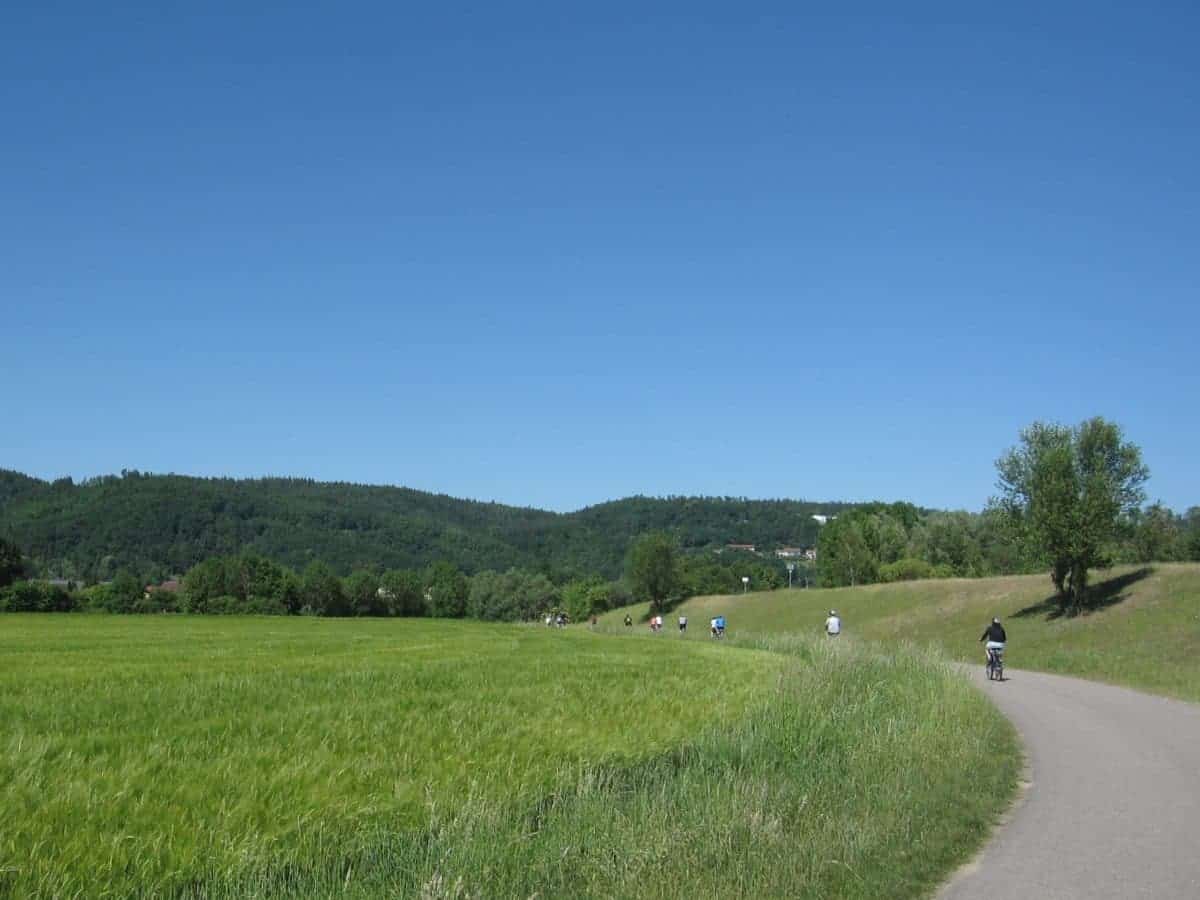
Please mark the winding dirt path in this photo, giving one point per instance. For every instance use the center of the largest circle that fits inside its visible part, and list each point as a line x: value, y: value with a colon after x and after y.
x: 1112, y: 809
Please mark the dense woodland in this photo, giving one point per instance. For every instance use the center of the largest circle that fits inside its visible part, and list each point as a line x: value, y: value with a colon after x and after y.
x: 294, y: 547
x: 158, y: 525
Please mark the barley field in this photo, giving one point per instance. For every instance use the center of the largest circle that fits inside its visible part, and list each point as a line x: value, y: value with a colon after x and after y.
x: 260, y: 757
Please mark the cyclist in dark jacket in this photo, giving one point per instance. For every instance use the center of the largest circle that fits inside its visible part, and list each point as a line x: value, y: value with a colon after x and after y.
x: 996, y: 639
x: 995, y: 632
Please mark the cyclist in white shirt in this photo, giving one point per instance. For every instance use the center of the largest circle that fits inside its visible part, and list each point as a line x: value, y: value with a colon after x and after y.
x: 833, y: 625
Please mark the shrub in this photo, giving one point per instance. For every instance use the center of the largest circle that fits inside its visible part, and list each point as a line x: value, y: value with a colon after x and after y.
x: 907, y: 569
x: 593, y: 595
x: 224, y: 606
x: 264, y: 606
x: 513, y: 596
x: 157, y: 601
x: 35, y: 596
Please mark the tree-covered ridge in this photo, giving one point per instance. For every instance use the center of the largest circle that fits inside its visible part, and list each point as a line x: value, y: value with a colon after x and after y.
x: 160, y: 524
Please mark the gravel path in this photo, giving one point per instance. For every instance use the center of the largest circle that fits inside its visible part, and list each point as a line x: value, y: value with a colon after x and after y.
x: 1113, y: 805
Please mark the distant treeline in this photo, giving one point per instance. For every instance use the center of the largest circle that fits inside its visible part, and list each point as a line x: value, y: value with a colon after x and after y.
x: 897, y: 542
x: 252, y: 584
x: 157, y: 525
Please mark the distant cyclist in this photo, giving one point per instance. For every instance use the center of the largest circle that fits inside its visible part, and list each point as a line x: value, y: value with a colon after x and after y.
x: 833, y: 625
x: 995, y: 637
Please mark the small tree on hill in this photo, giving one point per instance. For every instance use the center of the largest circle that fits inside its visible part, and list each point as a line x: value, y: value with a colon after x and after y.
x: 652, y: 570
x: 1069, y: 491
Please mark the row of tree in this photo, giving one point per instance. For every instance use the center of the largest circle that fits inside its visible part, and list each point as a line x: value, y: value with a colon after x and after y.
x: 252, y: 584
x: 897, y: 542
x: 1070, y: 501
x: 656, y: 570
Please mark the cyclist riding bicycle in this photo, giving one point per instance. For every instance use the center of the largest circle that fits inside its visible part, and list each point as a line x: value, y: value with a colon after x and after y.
x: 996, y: 639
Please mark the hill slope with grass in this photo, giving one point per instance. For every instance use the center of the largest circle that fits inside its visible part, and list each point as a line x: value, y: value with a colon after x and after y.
x: 1141, y: 629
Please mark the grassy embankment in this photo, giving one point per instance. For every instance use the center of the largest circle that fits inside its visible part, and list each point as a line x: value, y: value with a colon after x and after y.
x: 266, y: 757
x: 1142, y: 631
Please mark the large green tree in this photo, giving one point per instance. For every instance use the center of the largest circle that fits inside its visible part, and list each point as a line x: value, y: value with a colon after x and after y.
x: 363, y: 594
x: 125, y: 591
x: 1070, y: 491
x: 950, y: 539
x: 322, y: 591
x: 1191, y: 535
x: 445, y: 590
x: 844, y: 554
x: 1157, y: 537
x: 403, y: 592
x: 652, y: 570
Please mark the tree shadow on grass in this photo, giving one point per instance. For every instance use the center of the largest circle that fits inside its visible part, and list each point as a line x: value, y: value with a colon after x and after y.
x: 1099, y: 596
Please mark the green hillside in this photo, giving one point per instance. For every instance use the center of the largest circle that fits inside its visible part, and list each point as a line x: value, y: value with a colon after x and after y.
x: 91, y: 529
x: 1143, y: 629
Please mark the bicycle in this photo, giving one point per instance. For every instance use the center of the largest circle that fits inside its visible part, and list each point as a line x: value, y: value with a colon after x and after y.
x: 995, y: 664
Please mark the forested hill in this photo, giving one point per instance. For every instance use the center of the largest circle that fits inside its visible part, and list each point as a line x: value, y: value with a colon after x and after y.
x: 167, y: 523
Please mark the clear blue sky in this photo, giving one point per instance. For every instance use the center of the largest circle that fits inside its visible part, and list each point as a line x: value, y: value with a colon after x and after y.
x: 553, y: 256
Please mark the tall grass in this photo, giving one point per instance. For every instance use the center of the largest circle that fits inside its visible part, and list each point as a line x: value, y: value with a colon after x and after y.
x: 147, y: 755
x: 607, y: 768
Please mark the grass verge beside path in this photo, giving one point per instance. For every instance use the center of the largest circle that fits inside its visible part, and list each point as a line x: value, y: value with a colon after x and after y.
x: 866, y: 776
x: 1143, y: 631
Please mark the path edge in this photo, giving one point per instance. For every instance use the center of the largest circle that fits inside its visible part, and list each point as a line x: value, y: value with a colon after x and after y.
x: 1025, y: 783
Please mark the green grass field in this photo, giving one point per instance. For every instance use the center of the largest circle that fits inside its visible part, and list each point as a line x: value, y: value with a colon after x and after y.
x: 1143, y: 632
x: 204, y: 757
